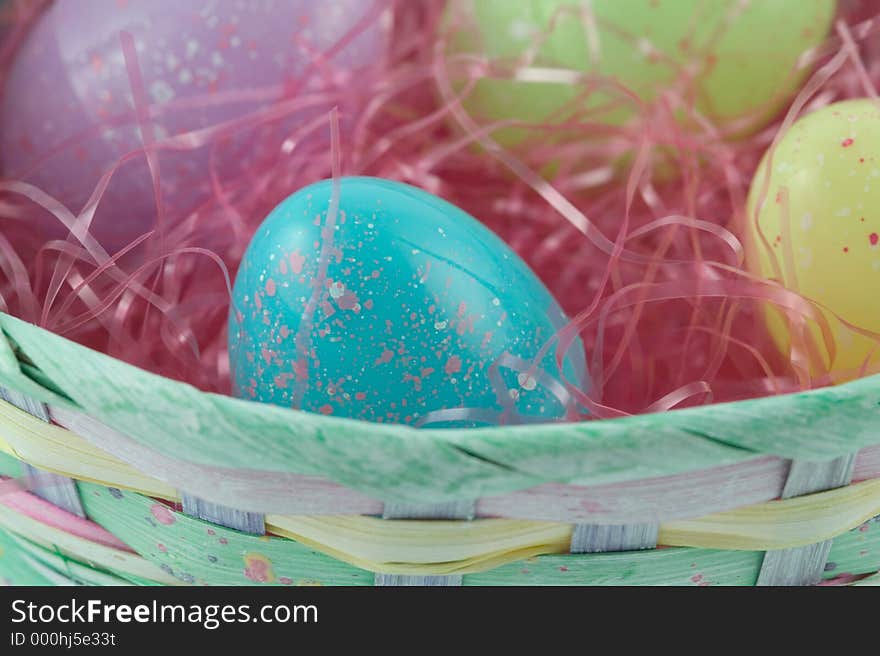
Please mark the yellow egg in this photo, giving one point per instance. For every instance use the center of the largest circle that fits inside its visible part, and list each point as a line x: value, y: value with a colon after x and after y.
x: 820, y: 217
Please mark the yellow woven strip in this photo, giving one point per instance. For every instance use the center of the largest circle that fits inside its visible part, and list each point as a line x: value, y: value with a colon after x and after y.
x: 445, y: 547
x: 60, y: 451
x: 424, y: 547
x: 779, y: 524
x: 80, y: 548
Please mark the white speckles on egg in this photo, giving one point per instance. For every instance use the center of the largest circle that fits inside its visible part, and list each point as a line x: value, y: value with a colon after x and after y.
x: 807, y: 221
x: 192, y: 49
x: 805, y: 257
x: 496, y: 302
x: 843, y: 212
x: 783, y: 167
x: 645, y: 47
x: 526, y: 381
x: 440, y: 325
x: 161, y: 92
x: 521, y: 30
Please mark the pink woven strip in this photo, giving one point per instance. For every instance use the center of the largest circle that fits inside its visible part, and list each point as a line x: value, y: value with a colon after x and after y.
x: 30, y: 505
x: 652, y: 500
x: 867, y: 464
x: 662, y: 499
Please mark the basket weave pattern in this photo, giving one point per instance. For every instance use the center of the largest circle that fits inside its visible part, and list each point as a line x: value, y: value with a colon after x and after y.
x: 777, y: 491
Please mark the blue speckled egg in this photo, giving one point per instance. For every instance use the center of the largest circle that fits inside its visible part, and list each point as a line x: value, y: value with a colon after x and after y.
x: 394, y: 306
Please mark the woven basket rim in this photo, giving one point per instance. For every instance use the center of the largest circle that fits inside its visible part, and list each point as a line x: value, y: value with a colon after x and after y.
x: 393, y: 461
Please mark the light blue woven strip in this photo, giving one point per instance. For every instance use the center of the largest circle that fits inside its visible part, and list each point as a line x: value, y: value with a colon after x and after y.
x: 804, y: 565
x: 464, y: 510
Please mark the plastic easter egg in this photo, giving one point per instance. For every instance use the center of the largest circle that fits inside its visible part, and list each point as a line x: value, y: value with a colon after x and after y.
x: 394, y: 307
x: 822, y: 209
x: 67, y: 107
x: 741, y: 58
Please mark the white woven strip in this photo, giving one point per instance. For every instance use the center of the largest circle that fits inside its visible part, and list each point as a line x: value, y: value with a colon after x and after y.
x: 240, y: 520
x: 450, y: 510
x: 682, y: 496
x: 808, y: 477
x: 25, y: 403
x: 464, y: 510
x: 402, y: 580
x: 596, y: 538
x: 804, y: 565
x: 57, y: 490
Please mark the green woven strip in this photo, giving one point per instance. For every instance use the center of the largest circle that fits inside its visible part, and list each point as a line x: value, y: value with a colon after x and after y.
x: 655, y: 567
x: 198, y: 552
x: 136, y: 580
x: 42, y: 380
x: 188, y: 546
x: 398, y: 463
x: 12, y: 371
x: 855, y: 552
x: 76, y: 572
x: 15, y: 568
x: 10, y: 466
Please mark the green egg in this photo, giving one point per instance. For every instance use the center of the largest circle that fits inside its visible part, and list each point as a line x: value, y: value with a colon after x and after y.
x: 737, y: 62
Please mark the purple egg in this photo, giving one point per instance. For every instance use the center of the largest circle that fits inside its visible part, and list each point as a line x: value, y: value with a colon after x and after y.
x: 67, y: 112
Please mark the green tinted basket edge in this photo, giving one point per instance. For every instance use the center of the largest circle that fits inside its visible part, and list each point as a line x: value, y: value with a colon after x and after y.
x: 402, y: 463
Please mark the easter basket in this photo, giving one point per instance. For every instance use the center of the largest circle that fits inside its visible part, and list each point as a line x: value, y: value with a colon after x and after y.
x: 776, y: 491
x: 113, y: 474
